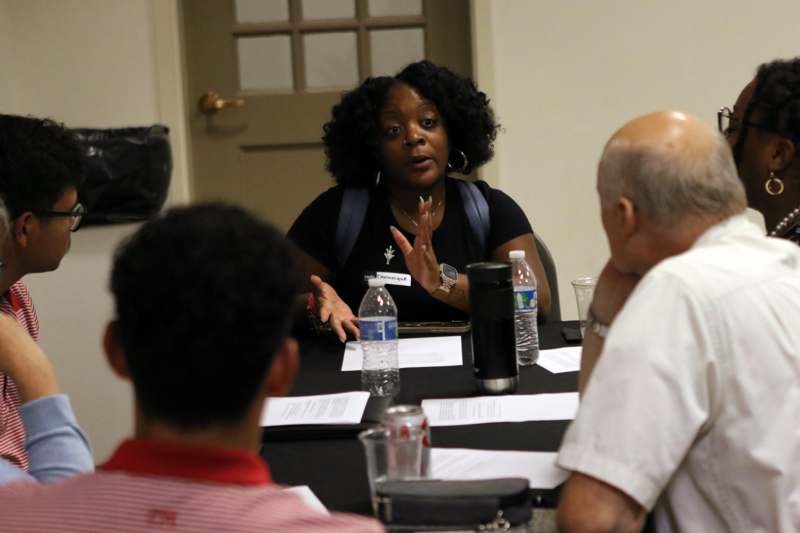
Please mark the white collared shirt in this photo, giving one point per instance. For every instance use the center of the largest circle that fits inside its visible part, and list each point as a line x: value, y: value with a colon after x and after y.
x: 694, y: 405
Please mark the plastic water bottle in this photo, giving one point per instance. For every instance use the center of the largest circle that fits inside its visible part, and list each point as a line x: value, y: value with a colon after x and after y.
x: 525, y: 307
x: 377, y: 319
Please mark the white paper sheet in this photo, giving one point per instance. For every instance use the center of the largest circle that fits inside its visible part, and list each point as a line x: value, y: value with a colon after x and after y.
x: 560, y: 359
x: 342, y: 408
x: 461, y: 463
x: 308, y: 496
x: 487, y: 409
x: 416, y: 352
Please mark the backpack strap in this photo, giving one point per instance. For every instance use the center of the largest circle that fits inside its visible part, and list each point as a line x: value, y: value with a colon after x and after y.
x: 356, y: 200
x: 477, y: 210
x: 351, y: 218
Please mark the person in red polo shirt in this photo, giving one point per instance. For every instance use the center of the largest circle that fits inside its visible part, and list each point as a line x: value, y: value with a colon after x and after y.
x: 41, y: 166
x: 203, y: 297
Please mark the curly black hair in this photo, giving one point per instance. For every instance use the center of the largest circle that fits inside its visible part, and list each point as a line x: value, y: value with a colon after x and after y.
x: 39, y: 161
x: 203, y: 297
x: 352, y: 136
x: 776, y: 97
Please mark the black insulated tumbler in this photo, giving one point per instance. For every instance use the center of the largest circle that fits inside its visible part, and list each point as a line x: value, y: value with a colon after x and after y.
x: 494, y: 355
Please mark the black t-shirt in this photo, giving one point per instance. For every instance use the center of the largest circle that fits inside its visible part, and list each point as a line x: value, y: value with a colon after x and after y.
x: 314, y: 232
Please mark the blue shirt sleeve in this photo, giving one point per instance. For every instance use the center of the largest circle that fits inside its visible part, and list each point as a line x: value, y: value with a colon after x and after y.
x: 57, y: 448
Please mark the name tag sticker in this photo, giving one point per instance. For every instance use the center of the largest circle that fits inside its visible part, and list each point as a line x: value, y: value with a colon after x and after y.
x: 394, y: 278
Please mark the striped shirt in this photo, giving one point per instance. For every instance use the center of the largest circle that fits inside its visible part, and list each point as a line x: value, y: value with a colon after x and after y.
x: 16, y: 302
x: 156, y: 486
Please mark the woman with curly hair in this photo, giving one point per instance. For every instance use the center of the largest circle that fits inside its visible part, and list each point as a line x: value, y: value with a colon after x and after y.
x: 764, y: 131
x: 395, y: 139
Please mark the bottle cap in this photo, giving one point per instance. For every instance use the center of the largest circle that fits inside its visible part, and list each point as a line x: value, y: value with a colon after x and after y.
x: 516, y: 254
x: 375, y: 282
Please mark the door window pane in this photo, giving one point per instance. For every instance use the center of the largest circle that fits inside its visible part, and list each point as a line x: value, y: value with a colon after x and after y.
x: 383, y: 8
x: 262, y: 10
x: 394, y: 49
x: 331, y: 59
x: 265, y: 63
x: 328, y: 9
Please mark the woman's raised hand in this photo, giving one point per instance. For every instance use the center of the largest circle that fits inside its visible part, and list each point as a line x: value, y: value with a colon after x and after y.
x: 333, y: 309
x: 420, y: 258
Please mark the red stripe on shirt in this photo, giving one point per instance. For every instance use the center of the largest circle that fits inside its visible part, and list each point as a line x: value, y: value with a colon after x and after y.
x: 160, y: 458
x: 17, y: 303
x: 125, y: 500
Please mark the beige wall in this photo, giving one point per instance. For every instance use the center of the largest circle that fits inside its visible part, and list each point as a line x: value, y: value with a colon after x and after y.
x: 74, y: 306
x: 94, y: 63
x: 8, y: 77
x: 566, y: 73
x: 86, y: 62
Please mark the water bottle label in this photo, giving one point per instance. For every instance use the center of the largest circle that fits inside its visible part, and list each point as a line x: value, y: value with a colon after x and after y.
x: 378, y: 330
x: 525, y: 300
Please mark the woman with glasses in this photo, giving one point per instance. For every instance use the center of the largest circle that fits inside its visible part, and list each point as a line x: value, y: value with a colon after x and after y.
x: 764, y: 132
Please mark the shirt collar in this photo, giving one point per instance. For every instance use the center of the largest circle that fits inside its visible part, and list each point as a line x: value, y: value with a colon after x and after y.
x: 159, y: 458
x: 735, y: 225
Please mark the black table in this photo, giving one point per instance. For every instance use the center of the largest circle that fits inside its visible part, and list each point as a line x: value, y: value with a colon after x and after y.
x: 332, y: 462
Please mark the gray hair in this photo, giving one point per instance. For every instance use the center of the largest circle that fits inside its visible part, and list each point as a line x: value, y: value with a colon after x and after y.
x: 670, y: 182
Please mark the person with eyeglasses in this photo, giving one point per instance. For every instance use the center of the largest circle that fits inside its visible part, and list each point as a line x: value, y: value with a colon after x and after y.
x: 763, y: 130
x: 41, y: 168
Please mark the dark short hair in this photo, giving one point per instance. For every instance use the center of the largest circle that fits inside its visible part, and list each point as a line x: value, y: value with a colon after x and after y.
x: 203, y: 297
x: 776, y: 97
x: 39, y: 161
x: 352, y: 136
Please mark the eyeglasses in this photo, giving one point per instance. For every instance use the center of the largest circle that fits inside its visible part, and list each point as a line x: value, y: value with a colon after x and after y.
x: 76, y: 215
x: 727, y: 123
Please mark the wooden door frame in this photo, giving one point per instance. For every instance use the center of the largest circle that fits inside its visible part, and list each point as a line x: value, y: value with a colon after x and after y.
x: 170, y: 71
x: 482, y: 42
x: 170, y: 76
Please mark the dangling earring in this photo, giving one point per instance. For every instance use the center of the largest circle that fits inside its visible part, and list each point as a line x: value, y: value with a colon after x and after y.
x: 773, y: 185
x: 465, y: 163
x: 378, y: 178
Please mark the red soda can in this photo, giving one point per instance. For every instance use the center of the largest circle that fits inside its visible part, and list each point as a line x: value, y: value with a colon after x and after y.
x: 405, y: 425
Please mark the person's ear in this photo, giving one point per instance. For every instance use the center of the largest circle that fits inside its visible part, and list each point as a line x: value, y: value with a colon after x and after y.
x: 21, y: 228
x: 626, y: 215
x: 115, y: 355
x: 782, y: 153
x: 283, y: 369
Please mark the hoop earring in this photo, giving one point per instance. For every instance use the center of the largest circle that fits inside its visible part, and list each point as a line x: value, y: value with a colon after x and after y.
x: 465, y: 163
x: 773, y: 185
x: 378, y: 178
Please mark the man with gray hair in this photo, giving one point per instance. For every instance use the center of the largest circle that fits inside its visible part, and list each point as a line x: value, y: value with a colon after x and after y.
x: 689, y: 374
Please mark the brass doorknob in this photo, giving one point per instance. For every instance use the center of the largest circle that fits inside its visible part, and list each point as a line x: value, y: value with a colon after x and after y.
x: 211, y: 102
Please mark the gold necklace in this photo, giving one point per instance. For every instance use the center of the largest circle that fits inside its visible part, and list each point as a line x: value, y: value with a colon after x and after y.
x: 416, y: 224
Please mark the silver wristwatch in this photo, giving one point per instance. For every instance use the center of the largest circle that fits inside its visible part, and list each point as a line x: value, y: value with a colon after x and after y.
x: 592, y: 324
x: 448, y: 276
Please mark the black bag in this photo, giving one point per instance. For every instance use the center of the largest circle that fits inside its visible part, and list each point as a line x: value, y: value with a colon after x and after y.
x: 435, y: 505
x: 127, y: 172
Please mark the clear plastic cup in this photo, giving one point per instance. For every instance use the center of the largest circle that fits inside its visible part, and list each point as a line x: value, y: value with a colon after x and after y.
x: 390, y: 459
x: 375, y: 443
x: 584, y: 292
